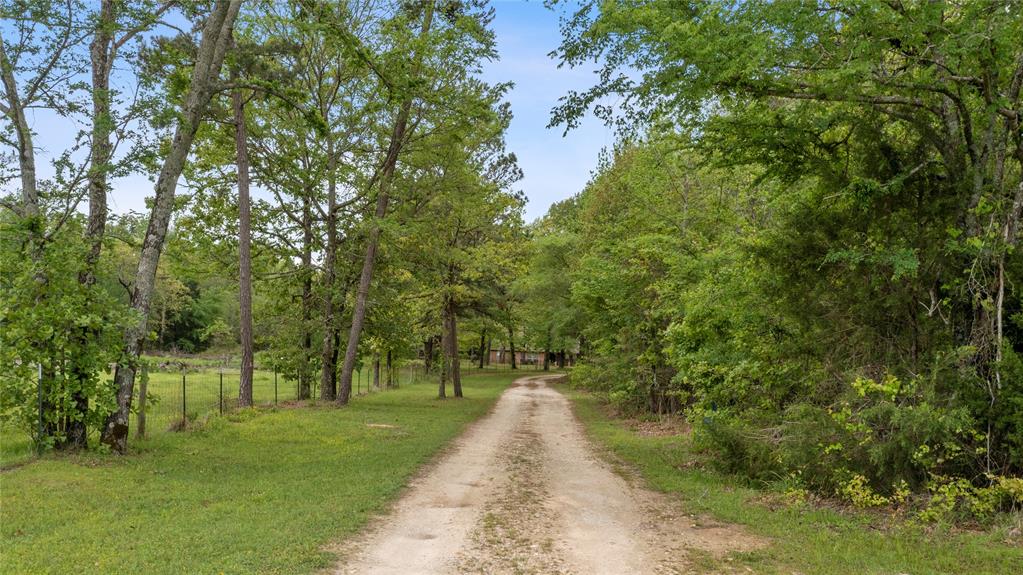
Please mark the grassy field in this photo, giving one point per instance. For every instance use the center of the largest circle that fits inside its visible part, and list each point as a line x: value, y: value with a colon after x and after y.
x: 804, y: 538
x: 202, y: 391
x: 257, y: 491
x: 202, y: 396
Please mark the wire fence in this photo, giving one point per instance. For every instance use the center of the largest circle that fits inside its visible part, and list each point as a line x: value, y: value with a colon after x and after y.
x: 175, y: 397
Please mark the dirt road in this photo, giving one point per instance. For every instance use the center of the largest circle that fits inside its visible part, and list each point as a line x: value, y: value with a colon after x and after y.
x: 522, y: 491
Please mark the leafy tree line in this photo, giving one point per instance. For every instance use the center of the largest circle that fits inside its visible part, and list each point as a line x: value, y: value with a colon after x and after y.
x: 331, y: 186
x: 807, y: 239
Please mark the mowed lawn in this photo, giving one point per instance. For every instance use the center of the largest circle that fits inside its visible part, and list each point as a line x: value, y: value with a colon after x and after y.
x: 803, y: 538
x: 258, y: 491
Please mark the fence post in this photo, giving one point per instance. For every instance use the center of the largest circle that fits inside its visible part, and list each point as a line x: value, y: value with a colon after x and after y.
x: 358, y: 392
x: 221, y: 391
x: 184, y: 405
x: 275, y: 385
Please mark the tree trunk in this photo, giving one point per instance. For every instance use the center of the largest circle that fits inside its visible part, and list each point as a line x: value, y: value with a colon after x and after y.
x: 444, y: 359
x: 241, y: 141
x: 490, y: 344
x: 328, y: 367
x: 216, y: 37
x: 390, y: 369
x: 333, y: 358
x: 428, y: 354
x: 99, y: 166
x: 373, y: 239
x: 23, y: 134
x: 511, y: 344
x: 305, y: 374
x: 456, y: 364
x: 483, y: 346
x: 376, y: 371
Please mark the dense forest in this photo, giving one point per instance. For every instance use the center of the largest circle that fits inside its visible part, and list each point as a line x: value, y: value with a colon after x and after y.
x: 804, y: 242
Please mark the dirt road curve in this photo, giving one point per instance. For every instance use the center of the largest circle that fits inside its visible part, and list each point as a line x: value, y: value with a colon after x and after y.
x: 522, y: 491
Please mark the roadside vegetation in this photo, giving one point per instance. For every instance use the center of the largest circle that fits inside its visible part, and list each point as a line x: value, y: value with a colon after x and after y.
x: 806, y: 242
x: 805, y: 534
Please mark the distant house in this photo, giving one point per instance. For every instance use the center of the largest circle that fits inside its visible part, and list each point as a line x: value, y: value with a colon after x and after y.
x: 522, y: 357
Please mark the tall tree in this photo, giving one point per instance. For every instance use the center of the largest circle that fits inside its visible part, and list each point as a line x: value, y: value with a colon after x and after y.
x: 213, y: 45
x: 244, y: 247
x: 390, y: 163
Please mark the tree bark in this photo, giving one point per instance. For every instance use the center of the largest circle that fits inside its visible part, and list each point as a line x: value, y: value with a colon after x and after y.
x: 328, y: 367
x: 390, y: 369
x: 216, y: 37
x: 455, y: 362
x: 305, y: 371
x: 23, y: 133
x: 373, y: 239
x: 333, y: 358
x: 100, y: 155
x: 101, y: 149
x: 445, y: 369
x: 428, y: 354
x: 511, y: 344
x: 244, y: 248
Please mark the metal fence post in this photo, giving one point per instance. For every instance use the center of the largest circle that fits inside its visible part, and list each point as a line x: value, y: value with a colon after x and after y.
x: 221, y: 392
x: 275, y: 385
x: 184, y: 405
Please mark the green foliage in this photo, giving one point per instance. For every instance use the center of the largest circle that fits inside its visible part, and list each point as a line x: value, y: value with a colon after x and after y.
x: 58, y: 335
x: 804, y: 228
x: 802, y: 537
x: 792, y: 359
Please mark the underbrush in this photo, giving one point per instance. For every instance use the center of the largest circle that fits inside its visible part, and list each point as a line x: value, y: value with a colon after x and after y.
x: 809, y: 532
x: 880, y: 446
x: 903, y: 445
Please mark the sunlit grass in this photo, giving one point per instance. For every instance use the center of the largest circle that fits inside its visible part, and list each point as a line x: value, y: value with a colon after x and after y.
x: 258, y: 491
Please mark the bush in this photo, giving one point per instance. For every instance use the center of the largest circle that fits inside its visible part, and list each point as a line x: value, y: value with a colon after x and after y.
x: 612, y: 379
x: 881, y: 442
x: 740, y: 448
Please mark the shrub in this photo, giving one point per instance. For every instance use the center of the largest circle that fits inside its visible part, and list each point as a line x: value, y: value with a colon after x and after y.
x: 740, y: 448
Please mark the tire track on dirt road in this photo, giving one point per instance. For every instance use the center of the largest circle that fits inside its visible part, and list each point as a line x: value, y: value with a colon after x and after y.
x: 523, y: 491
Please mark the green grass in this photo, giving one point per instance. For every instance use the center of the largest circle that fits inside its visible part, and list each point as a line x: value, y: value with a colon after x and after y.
x: 255, y: 492
x: 15, y: 446
x: 164, y: 408
x: 803, y: 538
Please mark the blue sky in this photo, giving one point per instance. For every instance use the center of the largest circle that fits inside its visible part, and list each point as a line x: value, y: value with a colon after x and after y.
x: 555, y: 167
